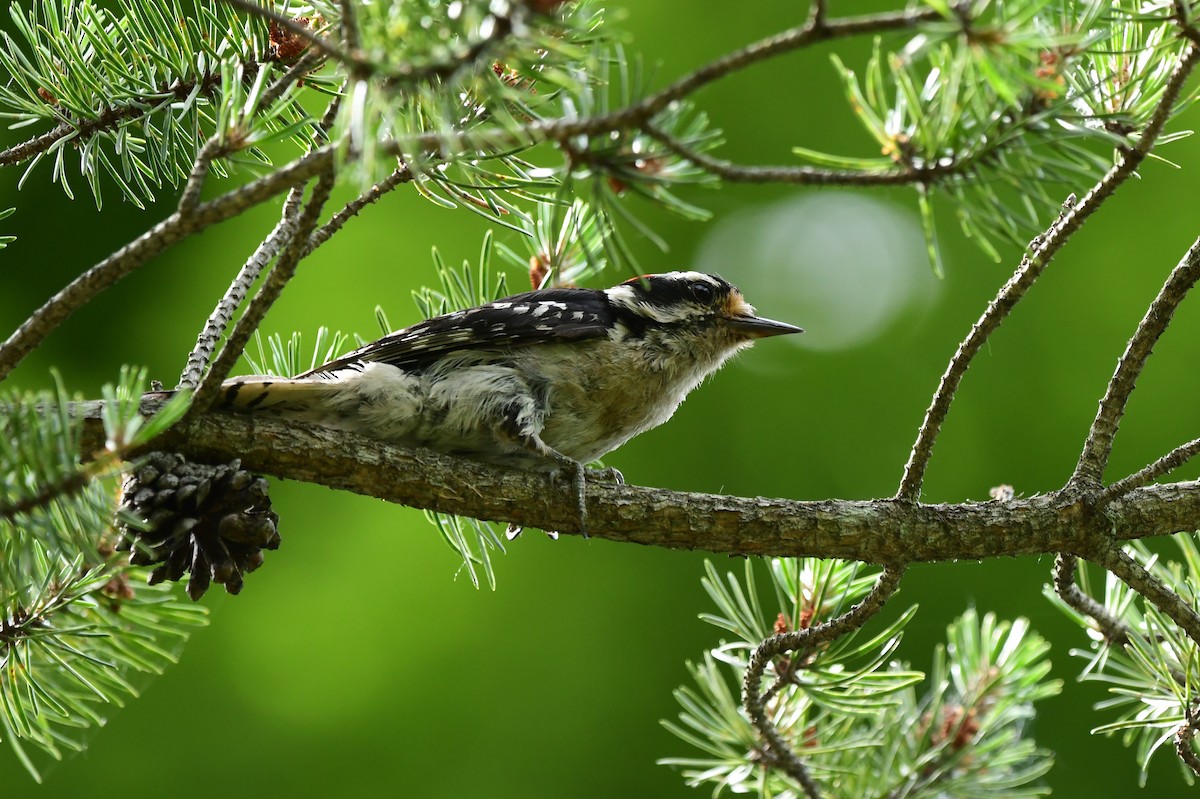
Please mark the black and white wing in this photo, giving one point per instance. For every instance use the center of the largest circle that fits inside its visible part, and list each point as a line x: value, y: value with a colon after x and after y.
x: 535, y: 317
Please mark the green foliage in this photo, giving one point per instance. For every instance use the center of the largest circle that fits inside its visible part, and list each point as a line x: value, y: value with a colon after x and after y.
x: 1013, y: 111
x: 850, y: 711
x: 136, y: 84
x: 1156, y: 678
x: 285, y: 358
x: 1002, y: 108
x: 74, y: 629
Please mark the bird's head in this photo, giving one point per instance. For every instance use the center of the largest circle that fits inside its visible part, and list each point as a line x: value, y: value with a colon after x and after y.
x: 691, y: 300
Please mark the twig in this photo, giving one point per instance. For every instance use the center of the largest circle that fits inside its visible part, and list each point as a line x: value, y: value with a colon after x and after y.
x: 170, y: 231
x: 278, y: 238
x: 1184, y: 736
x: 806, y: 639
x: 802, y: 175
x: 1114, y: 630
x: 318, y: 41
x: 270, y: 290
x: 1098, y: 446
x: 816, y: 29
x: 214, y: 328
x: 1031, y: 267
x: 349, y: 27
x: 1167, y: 463
x: 637, y: 114
x: 211, y: 150
x: 218, y: 145
x: 402, y: 174
x: 818, y: 12
x: 1133, y: 574
x: 109, y: 118
x: 295, y: 73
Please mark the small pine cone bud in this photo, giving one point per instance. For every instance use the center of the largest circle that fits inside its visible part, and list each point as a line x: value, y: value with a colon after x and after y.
x: 211, y: 522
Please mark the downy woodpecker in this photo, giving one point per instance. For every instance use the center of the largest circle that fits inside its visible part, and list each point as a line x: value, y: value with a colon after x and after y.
x: 547, y: 380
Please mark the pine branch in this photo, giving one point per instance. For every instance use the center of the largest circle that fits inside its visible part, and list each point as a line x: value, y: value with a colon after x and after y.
x: 295, y: 248
x: 1114, y: 630
x: 1133, y: 574
x: 637, y: 114
x: 113, y: 117
x: 162, y: 236
x: 872, y: 531
x: 801, y: 175
x: 1042, y: 252
x: 806, y: 639
x: 1098, y: 446
x: 360, y: 68
x: 1164, y: 465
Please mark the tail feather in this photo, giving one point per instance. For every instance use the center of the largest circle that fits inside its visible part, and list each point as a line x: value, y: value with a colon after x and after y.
x: 262, y: 392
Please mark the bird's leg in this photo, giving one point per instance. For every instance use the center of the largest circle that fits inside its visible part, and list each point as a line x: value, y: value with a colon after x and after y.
x: 605, y: 473
x: 519, y: 431
x: 569, y: 468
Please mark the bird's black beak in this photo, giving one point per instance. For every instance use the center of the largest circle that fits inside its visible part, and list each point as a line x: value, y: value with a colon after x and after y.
x: 758, y: 327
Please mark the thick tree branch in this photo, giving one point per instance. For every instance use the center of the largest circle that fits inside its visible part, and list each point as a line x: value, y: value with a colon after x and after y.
x: 873, y: 531
x: 1042, y: 251
x: 1098, y: 446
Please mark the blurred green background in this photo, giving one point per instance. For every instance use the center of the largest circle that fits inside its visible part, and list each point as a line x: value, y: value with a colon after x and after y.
x: 356, y: 663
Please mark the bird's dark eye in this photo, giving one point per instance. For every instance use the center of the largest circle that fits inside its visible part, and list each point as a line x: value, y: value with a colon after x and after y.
x: 703, y: 292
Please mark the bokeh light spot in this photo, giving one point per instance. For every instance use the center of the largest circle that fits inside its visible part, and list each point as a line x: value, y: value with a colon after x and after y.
x: 842, y: 266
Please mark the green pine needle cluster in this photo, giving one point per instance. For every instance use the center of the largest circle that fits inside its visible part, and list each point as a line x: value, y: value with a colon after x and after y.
x: 1008, y: 114
x: 78, y: 625
x: 1155, y: 679
x: 850, y: 710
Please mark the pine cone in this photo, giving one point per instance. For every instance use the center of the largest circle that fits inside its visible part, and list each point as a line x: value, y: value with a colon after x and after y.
x: 211, y: 521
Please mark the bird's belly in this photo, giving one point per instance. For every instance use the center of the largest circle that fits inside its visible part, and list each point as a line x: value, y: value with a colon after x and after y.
x: 587, y: 421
